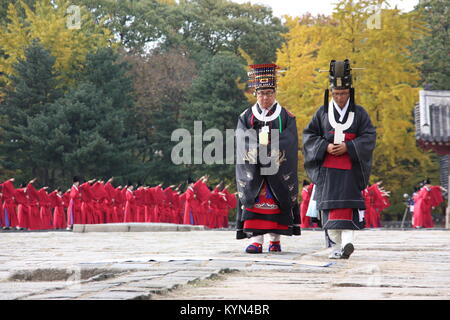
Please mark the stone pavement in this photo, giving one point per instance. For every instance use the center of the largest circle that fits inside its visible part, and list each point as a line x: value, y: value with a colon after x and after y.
x: 210, y: 264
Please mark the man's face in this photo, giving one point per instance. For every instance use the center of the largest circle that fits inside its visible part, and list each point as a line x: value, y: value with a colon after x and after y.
x: 265, y: 97
x: 340, y: 96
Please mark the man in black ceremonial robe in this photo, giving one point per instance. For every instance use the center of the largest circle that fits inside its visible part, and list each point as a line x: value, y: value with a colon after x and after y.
x: 266, y: 169
x: 338, y: 145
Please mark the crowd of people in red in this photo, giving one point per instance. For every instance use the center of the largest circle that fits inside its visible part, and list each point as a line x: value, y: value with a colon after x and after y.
x: 375, y: 198
x: 96, y: 202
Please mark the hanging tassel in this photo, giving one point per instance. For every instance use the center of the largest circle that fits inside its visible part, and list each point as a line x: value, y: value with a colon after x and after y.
x: 325, y: 100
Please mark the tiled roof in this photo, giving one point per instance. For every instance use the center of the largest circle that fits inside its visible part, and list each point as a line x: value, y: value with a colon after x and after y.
x: 432, y: 117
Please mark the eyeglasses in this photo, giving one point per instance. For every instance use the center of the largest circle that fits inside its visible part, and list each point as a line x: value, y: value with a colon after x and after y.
x: 265, y: 93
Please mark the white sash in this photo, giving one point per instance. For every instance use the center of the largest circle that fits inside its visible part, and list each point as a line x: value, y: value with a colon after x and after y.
x: 339, y: 128
x: 260, y: 117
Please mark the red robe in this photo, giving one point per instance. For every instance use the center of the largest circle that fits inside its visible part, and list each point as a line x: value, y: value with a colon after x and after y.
x: 119, y: 204
x: 33, y: 208
x: 188, y: 215
x: 87, y: 204
x: 306, y: 197
x: 109, y: 204
x: 130, y: 206
x: 169, y: 203
x: 178, y: 202
x: 57, y: 203
x: 160, y: 198
x: 231, y: 203
x: 422, y: 209
x: 200, y: 204
x: 74, y: 207
x: 140, y: 204
x: 99, y: 194
x: 150, y: 208
x: 424, y: 201
x: 23, y: 214
x: 45, y: 211
x: 9, y: 214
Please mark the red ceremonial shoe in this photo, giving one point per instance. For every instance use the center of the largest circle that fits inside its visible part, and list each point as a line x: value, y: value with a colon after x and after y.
x: 274, y: 246
x: 254, y: 248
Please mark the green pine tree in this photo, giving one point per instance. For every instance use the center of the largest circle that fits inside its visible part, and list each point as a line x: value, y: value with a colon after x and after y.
x: 433, y: 49
x: 32, y: 89
x: 217, y: 100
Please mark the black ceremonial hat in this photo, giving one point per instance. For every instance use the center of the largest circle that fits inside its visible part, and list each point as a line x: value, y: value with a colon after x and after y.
x: 340, y: 78
x: 340, y: 74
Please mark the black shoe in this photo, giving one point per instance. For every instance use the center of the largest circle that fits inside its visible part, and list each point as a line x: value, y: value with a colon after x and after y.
x: 347, y: 251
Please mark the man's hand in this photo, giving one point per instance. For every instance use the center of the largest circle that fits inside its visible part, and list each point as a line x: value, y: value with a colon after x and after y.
x: 338, y: 149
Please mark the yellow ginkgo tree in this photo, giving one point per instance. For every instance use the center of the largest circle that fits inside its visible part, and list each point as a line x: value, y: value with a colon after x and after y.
x: 376, y: 39
x: 67, y: 31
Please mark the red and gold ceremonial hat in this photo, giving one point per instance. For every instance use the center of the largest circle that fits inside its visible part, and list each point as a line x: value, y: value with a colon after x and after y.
x: 263, y: 76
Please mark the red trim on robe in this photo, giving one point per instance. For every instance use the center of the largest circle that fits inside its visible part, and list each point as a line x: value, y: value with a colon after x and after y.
x: 263, y: 199
x: 341, y: 214
x: 339, y: 162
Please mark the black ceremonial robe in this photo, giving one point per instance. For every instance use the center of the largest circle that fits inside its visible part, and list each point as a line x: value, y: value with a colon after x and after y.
x: 339, y: 180
x: 253, y: 184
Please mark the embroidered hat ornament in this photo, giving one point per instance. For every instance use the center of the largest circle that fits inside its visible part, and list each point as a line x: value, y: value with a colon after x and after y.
x: 263, y: 76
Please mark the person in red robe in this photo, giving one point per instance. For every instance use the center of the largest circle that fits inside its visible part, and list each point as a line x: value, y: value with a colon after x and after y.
x: 178, y: 203
x: 22, y: 202
x: 121, y: 196
x: 130, y: 204
x: 223, y: 208
x: 87, y: 203
x: 189, y: 196
x: 160, y: 198
x: 306, y: 197
x: 170, y: 195
x: 109, y: 202
x: 74, y: 207
x: 100, y: 209
x: 35, y: 222
x: 146, y: 194
x: 376, y: 200
x: 200, y: 206
x: 44, y: 209
x: 425, y: 200
x: 149, y: 205
x: 182, y: 199
x: 231, y: 203
x: 140, y: 204
x: 9, y: 214
x: 66, y: 200
x: 57, y: 203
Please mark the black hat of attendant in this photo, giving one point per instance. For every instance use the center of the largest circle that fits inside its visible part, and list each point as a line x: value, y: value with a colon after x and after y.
x: 340, y: 78
x: 76, y: 179
x: 263, y: 76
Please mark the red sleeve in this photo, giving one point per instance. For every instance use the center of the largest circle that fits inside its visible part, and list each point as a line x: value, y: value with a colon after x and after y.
x: 110, y: 191
x: 32, y: 193
x: 8, y: 189
x: 436, y: 196
x: 98, y: 191
x: 53, y: 198
x: 86, y: 191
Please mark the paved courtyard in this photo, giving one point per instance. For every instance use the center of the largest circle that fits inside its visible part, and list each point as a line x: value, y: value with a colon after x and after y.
x: 208, y: 264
